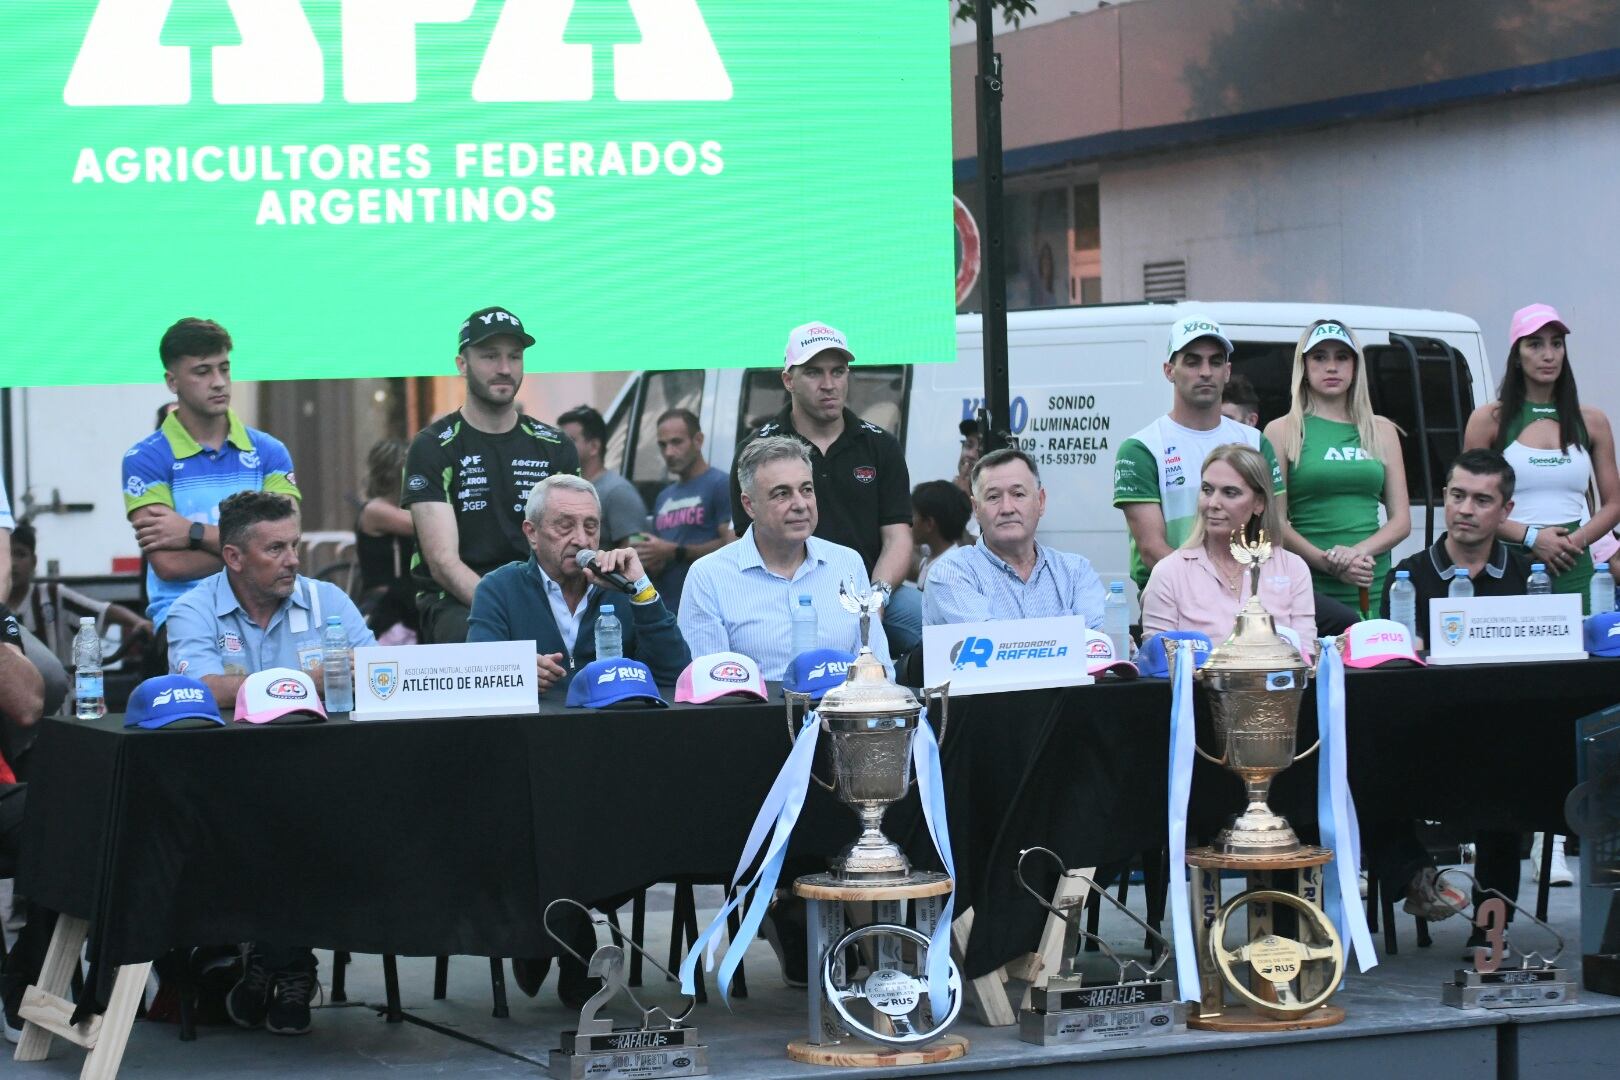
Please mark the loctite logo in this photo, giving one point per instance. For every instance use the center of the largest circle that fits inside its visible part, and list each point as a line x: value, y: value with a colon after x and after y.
x: 280, y: 61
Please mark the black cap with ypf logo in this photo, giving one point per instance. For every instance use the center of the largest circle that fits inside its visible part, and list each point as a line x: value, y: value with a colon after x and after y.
x: 491, y: 321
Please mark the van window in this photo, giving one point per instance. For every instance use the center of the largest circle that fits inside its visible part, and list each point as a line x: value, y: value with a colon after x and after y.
x: 877, y: 395
x: 659, y: 391
x: 1447, y: 393
x: 1268, y: 366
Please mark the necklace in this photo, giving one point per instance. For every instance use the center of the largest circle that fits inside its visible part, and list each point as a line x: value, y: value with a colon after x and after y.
x: 1232, y: 578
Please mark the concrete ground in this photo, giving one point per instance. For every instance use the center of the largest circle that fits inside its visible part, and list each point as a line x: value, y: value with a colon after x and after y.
x: 459, y: 1037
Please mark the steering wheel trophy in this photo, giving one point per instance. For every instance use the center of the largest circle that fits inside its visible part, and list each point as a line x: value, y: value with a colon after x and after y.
x: 1255, y: 681
x: 661, y: 1046
x: 1137, y: 1004
x: 1494, y: 982
x: 883, y: 1018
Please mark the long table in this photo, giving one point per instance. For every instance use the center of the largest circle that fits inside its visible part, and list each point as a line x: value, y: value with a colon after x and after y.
x: 449, y: 836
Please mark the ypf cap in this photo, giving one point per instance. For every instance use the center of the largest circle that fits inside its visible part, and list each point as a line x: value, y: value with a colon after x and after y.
x: 811, y: 340
x: 489, y: 322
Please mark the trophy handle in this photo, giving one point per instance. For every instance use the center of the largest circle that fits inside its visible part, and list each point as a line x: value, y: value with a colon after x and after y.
x: 1527, y: 958
x: 1072, y: 917
x: 798, y: 707
x: 1207, y: 756
x: 607, y: 963
x: 1309, y: 752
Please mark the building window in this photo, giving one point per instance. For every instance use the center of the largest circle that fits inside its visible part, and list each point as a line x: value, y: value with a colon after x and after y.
x: 1053, y: 242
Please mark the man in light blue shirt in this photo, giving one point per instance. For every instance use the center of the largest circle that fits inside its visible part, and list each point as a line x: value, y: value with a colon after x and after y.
x: 258, y: 612
x: 741, y: 598
x: 1007, y: 574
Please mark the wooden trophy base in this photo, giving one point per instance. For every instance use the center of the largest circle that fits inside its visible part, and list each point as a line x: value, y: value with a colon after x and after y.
x: 1243, y: 1018
x: 858, y: 1053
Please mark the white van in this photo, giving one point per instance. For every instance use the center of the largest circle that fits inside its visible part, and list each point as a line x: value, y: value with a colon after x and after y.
x: 1084, y: 379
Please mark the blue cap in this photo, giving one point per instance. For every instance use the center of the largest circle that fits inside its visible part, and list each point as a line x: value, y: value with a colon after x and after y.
x: 614, y: 681
x: 816, y: 672
x: 170, y: 699
x: 1603, y: 634
x: 1154, y: 664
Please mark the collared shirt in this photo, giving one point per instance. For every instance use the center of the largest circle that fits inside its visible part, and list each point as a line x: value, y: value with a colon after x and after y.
x: 567, y: 621
x: 211, y: 634
x: 170, y: 468
x: 1506, y: 573
x: 974, y: 584
x: 733, y: 603
x: 861, y: 483
x: 1187, y: 592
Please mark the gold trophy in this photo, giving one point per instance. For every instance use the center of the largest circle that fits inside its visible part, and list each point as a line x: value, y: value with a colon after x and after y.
x: 1255, y: 682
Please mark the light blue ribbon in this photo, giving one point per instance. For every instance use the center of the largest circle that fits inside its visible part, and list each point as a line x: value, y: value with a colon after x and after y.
x: 1181, y: 769
x: 782, y: 805
x: 1336, y: 812
x: 931, y: 790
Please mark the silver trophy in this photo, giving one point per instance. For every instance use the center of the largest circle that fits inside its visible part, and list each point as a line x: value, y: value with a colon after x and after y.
x: 1138, y: 1004
x: 663, y: 1045
x: 871, y: 722
x: 1491, y: 983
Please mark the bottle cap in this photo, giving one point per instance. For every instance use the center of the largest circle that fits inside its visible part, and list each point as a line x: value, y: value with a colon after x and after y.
x: 1462, y: 572
x: 804, y: 600
x: 1538, y: 568
x: 607, y: 609
x: 1403, y: 575
x: 1116, y: 586
x: 87, y: 620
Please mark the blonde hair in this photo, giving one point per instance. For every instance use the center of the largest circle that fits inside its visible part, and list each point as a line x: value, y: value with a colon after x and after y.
x: 1251, y: 465
x: 1361, y: 411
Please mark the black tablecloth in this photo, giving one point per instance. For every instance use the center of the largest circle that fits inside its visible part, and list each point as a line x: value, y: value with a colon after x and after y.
x: 450, y: 835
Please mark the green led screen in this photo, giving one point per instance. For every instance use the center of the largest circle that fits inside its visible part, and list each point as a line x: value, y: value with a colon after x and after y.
x: 646, y: 183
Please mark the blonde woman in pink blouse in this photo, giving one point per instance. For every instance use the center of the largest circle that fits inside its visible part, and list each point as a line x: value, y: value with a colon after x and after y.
x: 1200, y: 586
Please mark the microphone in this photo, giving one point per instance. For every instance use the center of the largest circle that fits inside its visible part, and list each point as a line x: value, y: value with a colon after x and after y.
x: 587, y: 562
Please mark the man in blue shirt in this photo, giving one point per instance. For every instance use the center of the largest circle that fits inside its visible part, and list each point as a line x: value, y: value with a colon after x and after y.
x: 260, y: 613
x: 692, y: 516
x: 550, y: 600
x: 175, y: 478
x: 741, y: 598
x: 1007, y: 574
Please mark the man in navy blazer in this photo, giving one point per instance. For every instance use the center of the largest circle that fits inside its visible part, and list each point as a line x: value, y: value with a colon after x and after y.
x: 554, y: 602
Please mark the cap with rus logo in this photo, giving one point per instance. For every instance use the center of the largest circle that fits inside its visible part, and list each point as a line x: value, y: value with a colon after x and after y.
x: 489, y: 322
x: 171, y: 701
x: 817, y: 671
x: 614, y: 681
x: 811, y: 340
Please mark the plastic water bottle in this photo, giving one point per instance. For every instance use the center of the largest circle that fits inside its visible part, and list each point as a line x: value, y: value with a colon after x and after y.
x: 1460, y: 585
x: 804, y: 625
x: 335, y: 667
x: 1117, y: 620
x: 1602, y: 589
x: 609, y: 635
x: 89, y: 697
x: 1403, y: 604
x: 1539, y: 584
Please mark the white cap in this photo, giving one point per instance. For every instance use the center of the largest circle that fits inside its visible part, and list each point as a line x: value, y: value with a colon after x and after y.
x: 810, y: 340
x: 1330, y: 331
x: 1100, y: 656
x: 1190, y: 327
x: 274, y: 693
x: 720, y: 675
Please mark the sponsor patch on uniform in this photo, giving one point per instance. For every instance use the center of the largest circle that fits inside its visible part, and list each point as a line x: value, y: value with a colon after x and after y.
x: 865, y: 473
x: 135, y: 487
x: 250, y: 460
x: 417, y: 482
x: 230, y: 643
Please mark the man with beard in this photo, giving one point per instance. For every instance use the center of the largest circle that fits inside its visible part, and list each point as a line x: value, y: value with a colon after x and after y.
x: 468, y: 476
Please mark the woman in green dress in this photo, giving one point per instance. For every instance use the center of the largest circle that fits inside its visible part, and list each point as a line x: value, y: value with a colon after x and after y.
x: 1347, y: 501
x: 1559, y: 450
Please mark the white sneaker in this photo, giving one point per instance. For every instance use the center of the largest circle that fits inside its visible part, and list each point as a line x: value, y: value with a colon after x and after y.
x: 1560, y: 875
x: 1465, y: 852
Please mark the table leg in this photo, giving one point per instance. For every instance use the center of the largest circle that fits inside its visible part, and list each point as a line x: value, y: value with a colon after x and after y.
x: 61, y: 961
x: 393, y: 1013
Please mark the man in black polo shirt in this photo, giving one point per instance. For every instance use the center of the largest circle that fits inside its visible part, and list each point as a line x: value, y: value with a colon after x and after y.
x: 1478, y: 499
x: 862, y: 485
x: 468, y: 476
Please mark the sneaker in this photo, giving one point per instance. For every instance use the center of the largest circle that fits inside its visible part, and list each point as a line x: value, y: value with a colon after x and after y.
x: 1432, y: 899
x: 288, y: 1013
x: 249, y: 999
x: 11, y: 995
x: 1560, y: 876
x: 1476, y: 940
x: 783, y: 927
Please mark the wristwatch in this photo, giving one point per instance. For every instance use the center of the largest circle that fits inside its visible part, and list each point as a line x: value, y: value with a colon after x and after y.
x: 197, y: 530
x: 1530, y: 535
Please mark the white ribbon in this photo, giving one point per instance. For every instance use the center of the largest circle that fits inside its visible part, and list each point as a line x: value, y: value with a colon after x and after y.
x: 782, y: 805
x: 931, y: 790
x: 1181, y: 769
x: 1336, y: 812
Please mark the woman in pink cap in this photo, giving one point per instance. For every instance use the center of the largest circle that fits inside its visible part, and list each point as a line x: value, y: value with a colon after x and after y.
x: 1557, y: 447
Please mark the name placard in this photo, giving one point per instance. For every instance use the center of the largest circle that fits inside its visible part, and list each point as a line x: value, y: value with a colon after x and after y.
x: 413, y: 682
x: 1012, y: 654
x: 1505, y: 629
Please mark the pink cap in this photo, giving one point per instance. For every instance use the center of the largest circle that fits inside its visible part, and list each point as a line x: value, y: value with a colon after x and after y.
x: 1100, y: 656
x: 810, y: 340
x: 277, y: 692
x: 1527, y: 320
x: 720, y: 675
x: 1377, y: 641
